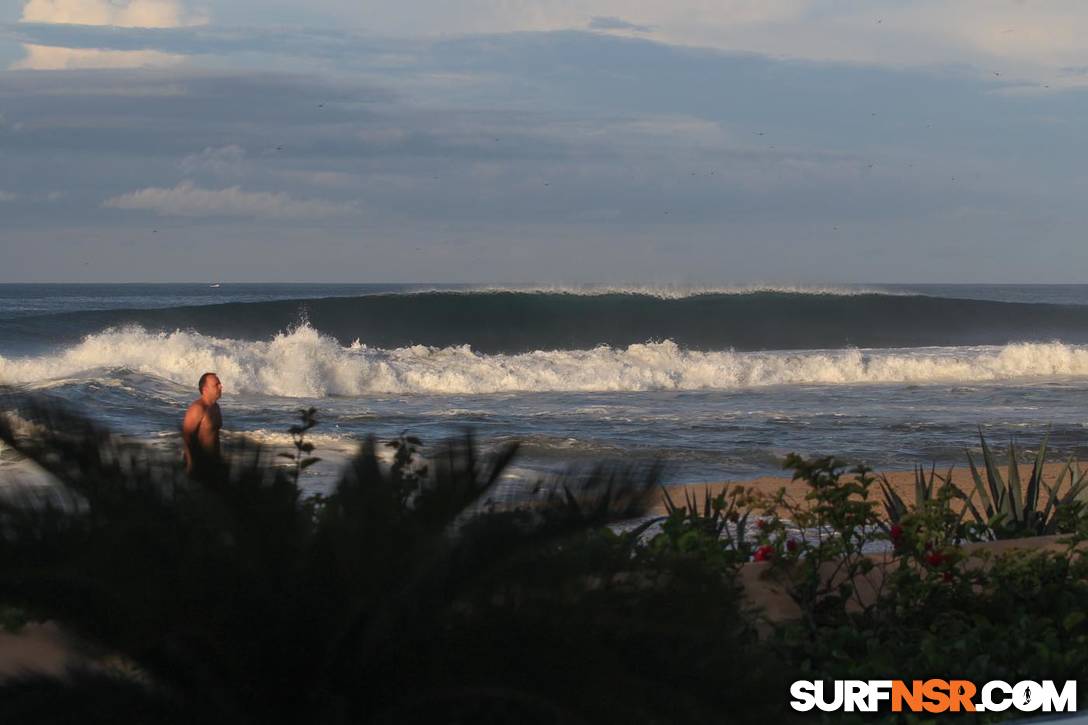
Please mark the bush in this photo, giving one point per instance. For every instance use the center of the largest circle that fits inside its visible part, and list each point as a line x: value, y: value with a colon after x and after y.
x: 934, y: 610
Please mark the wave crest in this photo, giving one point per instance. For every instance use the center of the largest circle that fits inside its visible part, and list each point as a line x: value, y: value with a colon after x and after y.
x: 667, y: 291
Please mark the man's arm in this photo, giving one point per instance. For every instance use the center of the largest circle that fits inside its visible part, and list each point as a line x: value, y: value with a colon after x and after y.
x: 189, y: 426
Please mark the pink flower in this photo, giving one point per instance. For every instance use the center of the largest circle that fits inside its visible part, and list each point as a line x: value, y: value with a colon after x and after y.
x: 764, y: 553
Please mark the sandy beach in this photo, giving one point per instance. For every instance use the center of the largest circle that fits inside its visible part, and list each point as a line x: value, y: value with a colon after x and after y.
x: 901, y: 481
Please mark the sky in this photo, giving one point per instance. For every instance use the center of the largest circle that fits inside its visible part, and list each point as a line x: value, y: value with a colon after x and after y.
x: 688, y: 141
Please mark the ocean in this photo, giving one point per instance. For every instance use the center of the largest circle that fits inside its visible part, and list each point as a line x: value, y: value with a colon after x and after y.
x: 716, y: 383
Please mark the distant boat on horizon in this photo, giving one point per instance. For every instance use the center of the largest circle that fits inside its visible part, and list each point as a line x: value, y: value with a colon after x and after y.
x: 213, y: 286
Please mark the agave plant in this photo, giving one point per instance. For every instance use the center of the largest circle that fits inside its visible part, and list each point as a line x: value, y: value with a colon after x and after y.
x: 235, y: 599
x: 927, y: 488
x: 1010, y: 509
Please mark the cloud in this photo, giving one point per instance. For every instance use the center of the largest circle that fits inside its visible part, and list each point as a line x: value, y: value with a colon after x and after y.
x: 6, y: 196
x: 130, y: 14
x: 211, y: 39
x: 221, y: 161
x: 498, y: 16
x: 188, y: 200
x: 124, y: 14
x: 1031, y: 39
x: 600, y: 136
x: 612, y: 23
x: 46, y: 58
x: 1020, y: 41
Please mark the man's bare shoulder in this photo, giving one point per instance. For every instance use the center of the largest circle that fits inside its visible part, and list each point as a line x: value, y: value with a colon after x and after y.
x: 196, y: 412
x: 198, y: 405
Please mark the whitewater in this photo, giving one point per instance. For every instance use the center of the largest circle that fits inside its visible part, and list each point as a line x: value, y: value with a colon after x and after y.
x: 303, y: 363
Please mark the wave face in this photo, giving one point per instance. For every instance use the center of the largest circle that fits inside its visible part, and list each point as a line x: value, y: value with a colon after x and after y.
x: 306, y: 363
x: 518, y: 322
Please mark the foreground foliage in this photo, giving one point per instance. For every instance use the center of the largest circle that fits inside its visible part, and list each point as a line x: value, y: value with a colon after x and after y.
x: 395, y: 598
x: 407, y: 594
x: 904, y: 601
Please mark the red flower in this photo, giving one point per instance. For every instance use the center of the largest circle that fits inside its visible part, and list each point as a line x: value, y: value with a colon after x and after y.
x: 761, y: 524
x: 764, y: 553
x: 947, y: 576
x: 791, y: 545
x: 934, y: 558
x: 896, y: 534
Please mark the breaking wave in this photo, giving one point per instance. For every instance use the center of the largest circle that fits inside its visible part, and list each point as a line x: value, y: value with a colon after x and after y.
x: 303, y: 362
x: 509, y: 322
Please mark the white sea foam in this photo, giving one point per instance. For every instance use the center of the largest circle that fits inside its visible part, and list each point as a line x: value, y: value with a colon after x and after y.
x: 304, y: 363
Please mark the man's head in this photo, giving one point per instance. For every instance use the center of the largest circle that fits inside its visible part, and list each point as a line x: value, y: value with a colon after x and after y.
x: 210, y: 387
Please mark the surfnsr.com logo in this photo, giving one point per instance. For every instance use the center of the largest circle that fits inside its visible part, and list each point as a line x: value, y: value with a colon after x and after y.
x: 933, y: 696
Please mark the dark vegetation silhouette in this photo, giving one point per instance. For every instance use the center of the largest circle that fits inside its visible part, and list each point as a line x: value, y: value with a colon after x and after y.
x: 396, y: 597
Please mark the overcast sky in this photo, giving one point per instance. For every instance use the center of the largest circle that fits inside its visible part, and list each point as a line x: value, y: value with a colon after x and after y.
x: 678, y: 141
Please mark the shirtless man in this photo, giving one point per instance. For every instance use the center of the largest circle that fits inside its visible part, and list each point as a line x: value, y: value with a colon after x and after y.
x: 200, y: 429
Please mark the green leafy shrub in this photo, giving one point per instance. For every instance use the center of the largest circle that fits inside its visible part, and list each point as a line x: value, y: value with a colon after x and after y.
x: 303, y: 448
x: 818, y: 545
x: 717, y: 529
x: 933, y: 609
